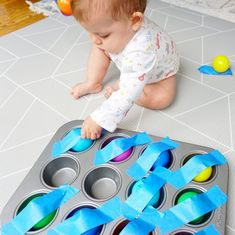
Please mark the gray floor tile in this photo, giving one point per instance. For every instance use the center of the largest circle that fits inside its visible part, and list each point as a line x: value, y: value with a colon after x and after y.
x: 92, y: 105
x: 49, y: 80
x: 190, y: 69
x: 156, y: 4
x: 192, y: 33
x: 6, y: 89
x: 84, y: 38
x: 198, y: 93
x: 68, y: 20
x: 232, y: 116
x: 46, y: 39
x: 5, y: 65
x: 174, y: 24
x: 72, y: 78
x: 9, y: 185
x: 181, y: 13
x: 5, y: 55
x: 32, y: 68
x: 28, y: 154
x: 219, y: 44
x: 41, y: 26
x: 221, y: 82
x: 12, y: 112
x: 218, y: 23
x: 159, y: 18
x: 18, y: 46
x: 39, y: 121
x: 66, y: 41
x: 191, y: 49
x: 58, y: 97
x: 76, y: 59
x: 159, y: 124
x: 212, y: 120
x: 229, y: 231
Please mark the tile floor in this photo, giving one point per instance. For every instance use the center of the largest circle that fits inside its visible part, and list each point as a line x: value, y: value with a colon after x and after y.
x: 40, y: 63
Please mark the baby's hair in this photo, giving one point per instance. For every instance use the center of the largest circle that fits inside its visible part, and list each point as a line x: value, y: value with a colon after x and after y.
x: 117, y: 9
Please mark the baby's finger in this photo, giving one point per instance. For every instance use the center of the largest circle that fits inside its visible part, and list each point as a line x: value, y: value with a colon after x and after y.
x: 83, y: 133
x: 93, y: 136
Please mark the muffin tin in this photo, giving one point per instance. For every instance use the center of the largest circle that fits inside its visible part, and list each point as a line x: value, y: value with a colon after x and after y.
x: 98, y: 184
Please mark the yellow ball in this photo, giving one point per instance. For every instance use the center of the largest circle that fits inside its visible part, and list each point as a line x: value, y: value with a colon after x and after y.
x: 204, y: 175
x: 221, y: 63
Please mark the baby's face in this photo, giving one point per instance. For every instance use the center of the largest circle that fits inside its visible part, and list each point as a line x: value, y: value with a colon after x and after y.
x: 107, y: 34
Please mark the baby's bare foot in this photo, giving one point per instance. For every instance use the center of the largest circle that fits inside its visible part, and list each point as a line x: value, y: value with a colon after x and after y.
x: 85, y: 88
x: 110, y: 89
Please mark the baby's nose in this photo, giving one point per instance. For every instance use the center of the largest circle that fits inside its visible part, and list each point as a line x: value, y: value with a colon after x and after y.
x: 96, y: 40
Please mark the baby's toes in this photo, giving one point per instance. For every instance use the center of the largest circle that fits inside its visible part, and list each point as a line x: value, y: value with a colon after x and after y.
x: 108, y: 92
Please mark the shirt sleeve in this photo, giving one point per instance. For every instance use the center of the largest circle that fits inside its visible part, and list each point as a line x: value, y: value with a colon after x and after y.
x: 132, y: 81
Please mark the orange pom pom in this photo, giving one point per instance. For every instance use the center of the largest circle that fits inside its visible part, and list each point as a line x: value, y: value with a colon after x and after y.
x: 65, y: 7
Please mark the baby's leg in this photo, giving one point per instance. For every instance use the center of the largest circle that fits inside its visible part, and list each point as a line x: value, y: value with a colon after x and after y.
x: 98, y: 64
x: 158, y: 95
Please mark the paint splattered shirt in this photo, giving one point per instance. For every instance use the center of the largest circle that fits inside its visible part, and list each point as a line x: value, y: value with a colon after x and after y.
x: 149, y: 57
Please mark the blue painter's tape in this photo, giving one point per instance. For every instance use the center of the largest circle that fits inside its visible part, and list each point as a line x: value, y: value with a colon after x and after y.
x: 70, y: 140
x: 210, y: 230
x: 178, y: 215
x: 194, y: 166
x: 144, y: 224
x: 139, y: 199
x: 206, y: 69
x: 145, y: 162
x: 118, y: 146
x: 87, y: 219
x: 38, y: 209
x: 191, y: 209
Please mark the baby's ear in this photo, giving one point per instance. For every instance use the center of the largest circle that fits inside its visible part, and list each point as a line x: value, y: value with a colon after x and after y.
x: 136, y: 20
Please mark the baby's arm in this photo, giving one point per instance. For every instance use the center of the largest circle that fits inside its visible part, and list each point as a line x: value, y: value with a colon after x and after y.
x: 98, y: 64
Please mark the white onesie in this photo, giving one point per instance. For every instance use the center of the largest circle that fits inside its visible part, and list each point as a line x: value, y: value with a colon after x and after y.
x: 149, y: 57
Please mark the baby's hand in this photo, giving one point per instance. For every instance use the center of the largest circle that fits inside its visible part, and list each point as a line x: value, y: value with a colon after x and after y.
x: 90, y: 129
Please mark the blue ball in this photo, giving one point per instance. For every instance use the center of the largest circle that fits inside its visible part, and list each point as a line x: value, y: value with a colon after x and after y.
x: 138, y: 185
x: 82, y: 144
x: 163, y: 160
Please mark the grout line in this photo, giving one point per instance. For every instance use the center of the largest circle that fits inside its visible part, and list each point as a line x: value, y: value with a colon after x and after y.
x: 38, y: 33
x: 189, y: 59
x: 5, y: 61
x: 39, y: 100
x: 204, y: 84
x: 8, y: 98
x: 69, y: 72
x: 55, y: 42
x: 202, y: 59
x: 224, y: 31
x: 141, y: 115
x: 26, y: 142
x: 178, y: 17
x: 43, y: 50
x: 62, y: 60
x: 17, y: 124
x: 185, y: 29
x: 199, y: 106
x: 166, y: 21
x: 230, y: 228
x: 201, y: 133
x: 15, y: 172
x: 37, y: 81
x: 6, y: 50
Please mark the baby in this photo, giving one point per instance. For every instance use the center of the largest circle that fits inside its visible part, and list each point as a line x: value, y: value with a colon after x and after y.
x: 145, y: 55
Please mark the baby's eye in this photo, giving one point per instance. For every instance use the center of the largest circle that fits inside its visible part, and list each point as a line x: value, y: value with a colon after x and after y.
x: 104, y: 36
